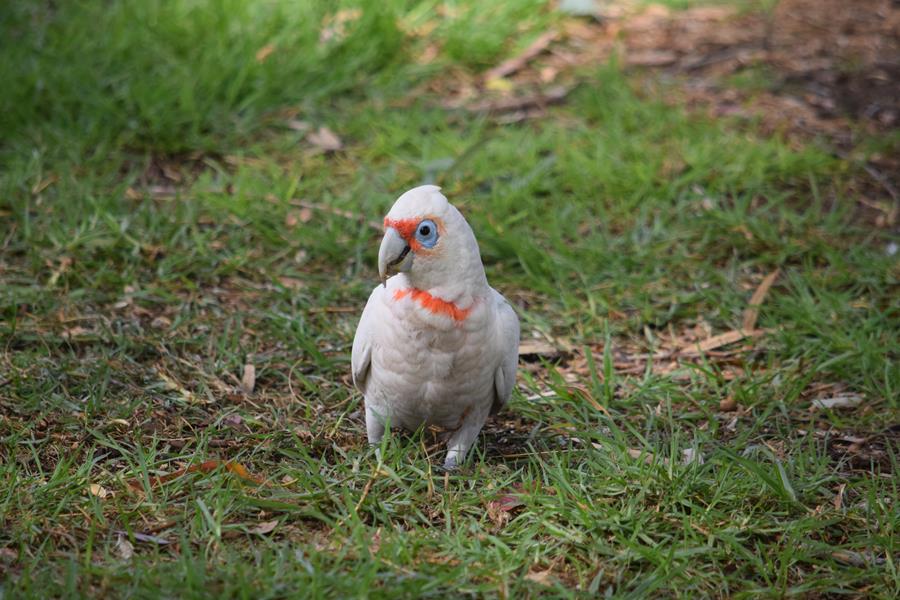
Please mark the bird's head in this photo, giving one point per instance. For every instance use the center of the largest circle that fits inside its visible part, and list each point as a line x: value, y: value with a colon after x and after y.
x: 429, y: 240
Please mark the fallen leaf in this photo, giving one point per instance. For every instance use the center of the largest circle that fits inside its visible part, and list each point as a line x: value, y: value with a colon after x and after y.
x: 499, y: 84
x: 43, y: 184
x: 76, y: 332
x: 499, y: 509
x: 752, y: 312
x: 325, y: 139
x: 839, y: 497
x: 689, y: 455
x: 161, y: 323
x: 236, y: 468
x: 651, y: 58
x: 334, y: 28
x: 124, y: 548
x: 647, y: 457
x: 151, y: 539
x: 98, y: 490
x: 540, y: 577
x: 264, y: 527
x: 8, y: 554
x: 839, y: 401
x: 729, y: 404
x: 263, y: 53
x: 174, y: 385
x: 717, y: 341
x: 292, y: 283
x: 857, y: 559
x: 64, y: 263
x: 205, y: 467
x: 537, y: 348
x: 508, y: 502
x: 298, y: 125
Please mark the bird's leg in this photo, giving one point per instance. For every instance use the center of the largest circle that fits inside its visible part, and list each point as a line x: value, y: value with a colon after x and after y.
x: 462, y: 439
x: 374, y: 426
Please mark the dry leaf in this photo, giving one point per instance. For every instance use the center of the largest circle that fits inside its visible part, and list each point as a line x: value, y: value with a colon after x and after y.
x: 334, y: 28
x: 499, y: 510
x: 857, y: 559
x: 839, y: 401
x: 291, y: 283
x: 635, y: 453
x: 8, y: 554
x: 124, y: 548
x: 728, y: 404
x: 689, y: 455
x: 537, y: 348
x: 76, y: 332
x: 325, y: 139
x: 248, y: 380
x: 540, y: 577
x: 152, y: 539
x: 498, y: 84
x: 161, y: 323
x: 98, y: 490
x: 717, y: 341
x: 264, y: 527
x: 839, y: 497
x: 263, y: 53
x: 298, y: 125
x: 651, y: 58
x: 174, y: 385
x: 205, y: 467
x: 43, y: 184
x: 752, y: 312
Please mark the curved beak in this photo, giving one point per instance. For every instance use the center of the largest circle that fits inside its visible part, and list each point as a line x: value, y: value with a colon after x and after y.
x: 394, y: 255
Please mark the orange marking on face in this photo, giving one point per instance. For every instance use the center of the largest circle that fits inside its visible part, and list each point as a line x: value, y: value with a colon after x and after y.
x: 407, y: 230
x: 434, y: 305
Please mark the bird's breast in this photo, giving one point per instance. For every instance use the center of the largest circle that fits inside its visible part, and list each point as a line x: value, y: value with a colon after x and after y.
x: 424, y: 372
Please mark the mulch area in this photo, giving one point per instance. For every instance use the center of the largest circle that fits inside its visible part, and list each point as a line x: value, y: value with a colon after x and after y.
x: 818, y: 69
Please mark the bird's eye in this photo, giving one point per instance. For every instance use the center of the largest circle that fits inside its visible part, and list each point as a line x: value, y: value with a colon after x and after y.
x: 427, y: 234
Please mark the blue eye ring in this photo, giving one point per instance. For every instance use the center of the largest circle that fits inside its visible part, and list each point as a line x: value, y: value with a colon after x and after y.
x: 427, y: 233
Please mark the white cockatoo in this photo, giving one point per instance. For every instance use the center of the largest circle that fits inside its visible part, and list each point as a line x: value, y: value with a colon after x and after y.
x: 435, y: 345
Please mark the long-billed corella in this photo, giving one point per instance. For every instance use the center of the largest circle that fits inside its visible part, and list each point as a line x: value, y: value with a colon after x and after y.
x: 436, y: 345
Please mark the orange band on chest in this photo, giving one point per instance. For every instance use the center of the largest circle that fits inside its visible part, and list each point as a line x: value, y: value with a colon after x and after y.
x: 434, y: 305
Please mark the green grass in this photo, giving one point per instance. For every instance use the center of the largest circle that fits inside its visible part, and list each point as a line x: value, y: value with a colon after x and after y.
x: 131, y: 301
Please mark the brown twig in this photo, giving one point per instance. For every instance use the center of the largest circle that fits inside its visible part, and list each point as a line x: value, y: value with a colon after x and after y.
x: 510, y: 66
x: 553, y: 95
x: 751, y: 314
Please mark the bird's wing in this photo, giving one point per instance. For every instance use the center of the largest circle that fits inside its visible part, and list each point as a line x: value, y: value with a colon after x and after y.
x: 361, y: 356
x: 508, y: 338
